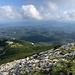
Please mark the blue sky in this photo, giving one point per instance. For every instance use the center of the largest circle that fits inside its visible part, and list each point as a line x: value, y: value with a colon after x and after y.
x: 60, y: 10
x: 11, y: 2
x: 19, y: 3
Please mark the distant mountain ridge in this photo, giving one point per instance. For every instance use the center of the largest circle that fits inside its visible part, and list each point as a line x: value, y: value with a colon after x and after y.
x: 42, y: 33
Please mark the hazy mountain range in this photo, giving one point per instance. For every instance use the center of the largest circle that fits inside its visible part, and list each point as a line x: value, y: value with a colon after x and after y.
x: 39, y: 32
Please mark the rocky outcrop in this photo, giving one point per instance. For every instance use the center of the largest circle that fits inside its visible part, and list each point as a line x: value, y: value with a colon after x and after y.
x: 38, y: 62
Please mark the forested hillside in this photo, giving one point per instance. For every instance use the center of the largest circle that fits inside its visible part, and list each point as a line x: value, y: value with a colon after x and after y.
x: 42, y: 35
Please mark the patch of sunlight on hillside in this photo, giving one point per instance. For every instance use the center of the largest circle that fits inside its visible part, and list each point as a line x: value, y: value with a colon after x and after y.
x: 16, y: 45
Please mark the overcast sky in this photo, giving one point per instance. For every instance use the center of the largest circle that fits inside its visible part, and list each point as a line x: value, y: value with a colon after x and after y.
x: 59, y: 10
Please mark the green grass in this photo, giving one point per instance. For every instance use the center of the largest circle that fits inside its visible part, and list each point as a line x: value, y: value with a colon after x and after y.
x: 19, y: 52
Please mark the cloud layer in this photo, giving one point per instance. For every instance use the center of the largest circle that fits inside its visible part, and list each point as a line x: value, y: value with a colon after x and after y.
x: 9, y: 12
x: 25, y: 12
x: 49, y: 10
x: 31, y: 12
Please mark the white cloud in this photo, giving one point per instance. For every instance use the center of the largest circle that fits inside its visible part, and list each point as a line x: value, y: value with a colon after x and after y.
x: 31, y: 12
x: 57, y: 10
x: 63, y: 4
x: 65, y: 16
x: 9, y: 12
x: 60, y: 16
x: 70, y: 14
x: 59, y: 2
x: 49, y: 11
x: 26, y: 11
x: 52, y: 6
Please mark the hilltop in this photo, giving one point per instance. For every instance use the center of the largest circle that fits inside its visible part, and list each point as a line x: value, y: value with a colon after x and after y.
x: 56, y: 61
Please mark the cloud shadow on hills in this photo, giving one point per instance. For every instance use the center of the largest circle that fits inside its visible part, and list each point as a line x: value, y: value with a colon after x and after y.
x: 39, y: 38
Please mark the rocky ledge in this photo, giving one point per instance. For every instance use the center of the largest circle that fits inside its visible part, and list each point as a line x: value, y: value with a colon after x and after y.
x: 43, y: 61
